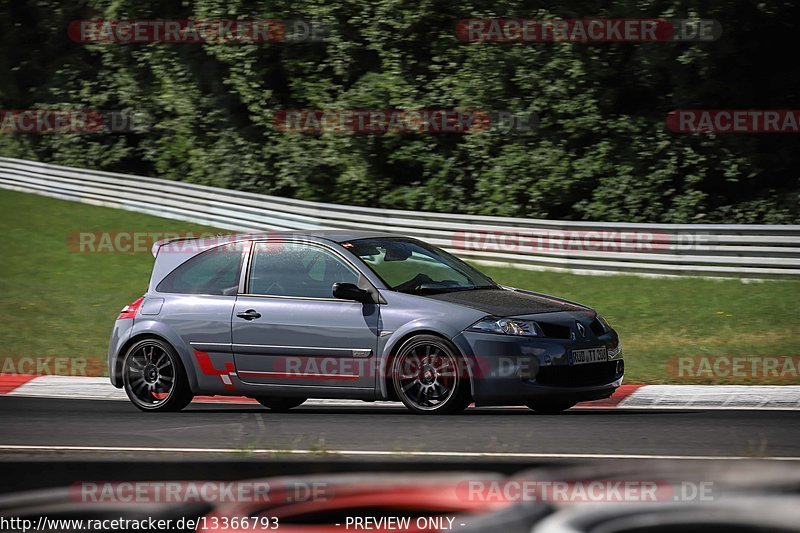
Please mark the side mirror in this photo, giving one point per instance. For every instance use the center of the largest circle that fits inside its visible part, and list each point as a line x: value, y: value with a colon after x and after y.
x: 351, y: 291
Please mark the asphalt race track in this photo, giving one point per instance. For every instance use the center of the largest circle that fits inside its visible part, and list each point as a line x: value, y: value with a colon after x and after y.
x: 99, y: 429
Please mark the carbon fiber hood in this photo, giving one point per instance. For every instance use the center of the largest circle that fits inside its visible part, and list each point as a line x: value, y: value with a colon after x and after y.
x: 506, y: 302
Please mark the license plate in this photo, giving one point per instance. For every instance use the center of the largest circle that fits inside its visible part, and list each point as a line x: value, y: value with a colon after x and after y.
x: 589, y: 355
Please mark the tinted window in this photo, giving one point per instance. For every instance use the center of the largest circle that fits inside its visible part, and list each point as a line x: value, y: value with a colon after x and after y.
x: 214, y: 271
x: 293, y: 269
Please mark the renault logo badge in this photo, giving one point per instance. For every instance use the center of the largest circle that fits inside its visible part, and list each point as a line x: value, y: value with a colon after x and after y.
x: 581, y: 329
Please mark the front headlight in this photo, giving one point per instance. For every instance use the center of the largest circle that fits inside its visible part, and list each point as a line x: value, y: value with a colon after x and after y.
x: 507, y: 326
x: 603, y: 322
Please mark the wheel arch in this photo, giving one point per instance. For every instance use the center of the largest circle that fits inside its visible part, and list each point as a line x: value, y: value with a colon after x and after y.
x: 135, y: 337
x: 389, y: 353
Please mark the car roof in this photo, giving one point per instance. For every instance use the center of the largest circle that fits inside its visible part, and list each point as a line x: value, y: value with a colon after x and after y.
x: 334, y: 235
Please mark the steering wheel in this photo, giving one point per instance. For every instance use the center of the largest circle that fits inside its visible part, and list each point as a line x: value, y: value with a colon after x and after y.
x: 414, y: 283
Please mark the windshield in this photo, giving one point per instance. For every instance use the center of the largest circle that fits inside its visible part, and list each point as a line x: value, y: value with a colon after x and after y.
x: 411, y: 266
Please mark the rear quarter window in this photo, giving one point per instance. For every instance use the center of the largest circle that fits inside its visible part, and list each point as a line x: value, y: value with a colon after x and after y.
x: 214, y: 272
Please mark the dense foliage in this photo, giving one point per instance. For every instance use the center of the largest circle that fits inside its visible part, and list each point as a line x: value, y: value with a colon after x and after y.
x: 601, y: 152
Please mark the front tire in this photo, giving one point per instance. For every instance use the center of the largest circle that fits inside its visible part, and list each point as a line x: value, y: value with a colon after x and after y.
x: 429, y: 377
x: 154, y: 378
x: 280, y: 405
x: 550, y: 407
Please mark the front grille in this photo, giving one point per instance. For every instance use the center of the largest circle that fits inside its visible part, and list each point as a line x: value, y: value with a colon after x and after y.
x: 554, y: 331
x: 578, y: 375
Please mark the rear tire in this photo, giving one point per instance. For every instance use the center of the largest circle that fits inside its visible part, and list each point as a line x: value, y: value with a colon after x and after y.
x: 550, y: 407
x: 280, y: 405
x: 154, y: 378
x: 429, y: 377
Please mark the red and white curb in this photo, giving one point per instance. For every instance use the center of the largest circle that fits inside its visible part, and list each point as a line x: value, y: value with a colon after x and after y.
x: 785, y: 397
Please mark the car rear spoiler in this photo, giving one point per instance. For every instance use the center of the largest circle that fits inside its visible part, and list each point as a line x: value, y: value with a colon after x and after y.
x: 196, y: 244
x: 162, y: 242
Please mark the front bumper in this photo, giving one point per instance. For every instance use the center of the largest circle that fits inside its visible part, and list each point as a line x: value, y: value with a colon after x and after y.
x: 510, y: 370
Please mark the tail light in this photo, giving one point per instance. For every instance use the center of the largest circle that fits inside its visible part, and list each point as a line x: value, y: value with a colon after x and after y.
x: 129, y: 311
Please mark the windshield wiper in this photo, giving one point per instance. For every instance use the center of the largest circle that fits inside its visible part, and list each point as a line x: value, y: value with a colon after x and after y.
x: 441, y: 290
x: 472, y: 288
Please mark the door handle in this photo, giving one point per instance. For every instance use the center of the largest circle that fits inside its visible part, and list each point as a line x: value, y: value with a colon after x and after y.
x: 250, y: 314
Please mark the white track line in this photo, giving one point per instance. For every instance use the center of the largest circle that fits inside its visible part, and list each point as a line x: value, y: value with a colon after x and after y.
x: 378, y: 453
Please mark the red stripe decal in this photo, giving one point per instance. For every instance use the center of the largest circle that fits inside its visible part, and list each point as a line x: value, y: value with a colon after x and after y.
x: 297, y: 375
x: 207, y: 367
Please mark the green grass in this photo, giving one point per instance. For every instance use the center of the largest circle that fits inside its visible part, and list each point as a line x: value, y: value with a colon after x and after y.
x: 661, y: 318
x: 58, y: 302
x: 55, y: 301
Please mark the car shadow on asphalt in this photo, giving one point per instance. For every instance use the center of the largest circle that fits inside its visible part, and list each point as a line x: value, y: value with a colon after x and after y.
x: 397, y: 411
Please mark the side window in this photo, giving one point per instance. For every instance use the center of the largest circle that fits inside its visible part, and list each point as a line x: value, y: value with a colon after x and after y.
x: 294, y: 269
x: 215, y: 271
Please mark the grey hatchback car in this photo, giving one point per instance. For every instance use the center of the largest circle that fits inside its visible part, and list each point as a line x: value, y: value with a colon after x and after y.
x: 283, y: 317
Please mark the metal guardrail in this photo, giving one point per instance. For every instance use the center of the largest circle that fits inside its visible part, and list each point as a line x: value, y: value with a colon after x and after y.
x: 728, y: 250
